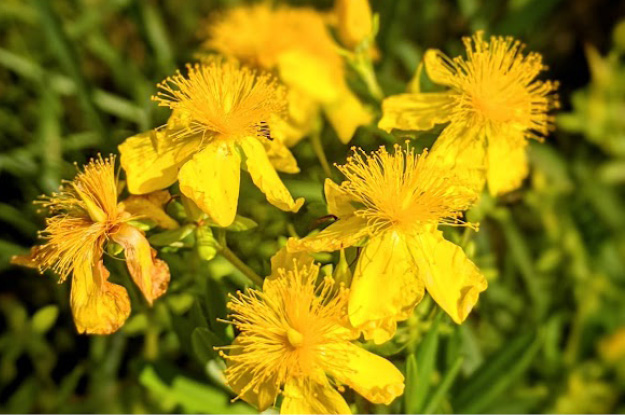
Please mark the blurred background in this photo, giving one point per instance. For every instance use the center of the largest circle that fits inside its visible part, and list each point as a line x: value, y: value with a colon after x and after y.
x: 76, y: 78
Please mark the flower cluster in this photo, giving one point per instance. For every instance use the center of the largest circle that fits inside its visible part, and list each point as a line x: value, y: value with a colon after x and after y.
x: 297, y: 331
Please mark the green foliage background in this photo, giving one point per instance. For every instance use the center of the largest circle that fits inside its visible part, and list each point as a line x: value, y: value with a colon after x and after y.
x: 75, y: 79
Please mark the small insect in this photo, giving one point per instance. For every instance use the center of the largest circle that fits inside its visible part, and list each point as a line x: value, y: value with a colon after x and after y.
x: 263, y: 129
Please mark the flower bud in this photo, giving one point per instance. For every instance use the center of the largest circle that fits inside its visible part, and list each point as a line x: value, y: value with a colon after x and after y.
x: 354, y: 21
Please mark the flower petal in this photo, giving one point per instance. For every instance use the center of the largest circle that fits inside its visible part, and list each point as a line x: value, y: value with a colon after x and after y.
x: 98, y: 306
x: 339, y: 202
x: 239, y: 379
x: 312, y: 398
x: 283, y: 259
x: 341, y: 234
x: 385, y: 285
x: 150, y: 206
x: 507, y: 162
x: 346, y: 114
x: 303, y: 114
x: 452, y: 280
x: 265, y: 176
x: 152, y: 159
x: 149, y: 273
x: 211, y: 179
x: 280, y: 156
x: 320, y: 79
x: 460, y: 152
x: 370, y: 375
x: 416, y: 111
x: 439, y: 67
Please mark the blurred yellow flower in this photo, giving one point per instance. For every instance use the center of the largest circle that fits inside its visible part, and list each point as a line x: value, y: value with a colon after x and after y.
x: 295, y: 339
x: 397, y: 201
x: 354, y: 21
x: 612, y: 347
x: 493, y: 105
x: 84, y: 217
x: 220, y: 115
x: 295, y: 43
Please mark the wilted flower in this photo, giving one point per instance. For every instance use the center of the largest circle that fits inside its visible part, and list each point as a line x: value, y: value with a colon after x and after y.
x: 493, y: 105
x: 84, y: 216
x: 220, y: 115
x: 395, y: 202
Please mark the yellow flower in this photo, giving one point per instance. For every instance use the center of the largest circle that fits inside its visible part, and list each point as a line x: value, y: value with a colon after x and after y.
x: 84, y: 216
x: 396, y: 202
x: 355, y: 21
x: 295, y: 43
x: 612, y: 347
x: 219, y: 120
x: 295, y: 340
x: 493, y: 105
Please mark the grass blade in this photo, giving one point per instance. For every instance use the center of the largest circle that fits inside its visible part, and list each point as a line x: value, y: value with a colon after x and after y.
x: 442, y: 389
x: 66, y: 56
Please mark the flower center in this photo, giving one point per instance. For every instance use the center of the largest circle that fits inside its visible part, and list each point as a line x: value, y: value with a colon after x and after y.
x: 296, y: 339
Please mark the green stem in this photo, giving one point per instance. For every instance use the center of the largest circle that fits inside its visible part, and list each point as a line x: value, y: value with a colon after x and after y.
x: 236, y: 261
x: 365, y: 69
x: 240, y: 265
x: 315, y: 140
x: 466, y: 237
x: 150, y: 348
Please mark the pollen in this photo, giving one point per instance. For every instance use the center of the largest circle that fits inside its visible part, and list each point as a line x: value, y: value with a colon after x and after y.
x: 403, y: 190
x: 496, y: 85
x: 287, y: 330
x: 222, y: 99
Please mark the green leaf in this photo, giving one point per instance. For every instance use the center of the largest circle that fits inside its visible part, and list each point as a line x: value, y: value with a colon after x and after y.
x: 68, y: 386
x: 439, y: 393
x: 172, y: 237
x: 183, y: 328
x: 497, y: 374
x: 114, y: 249
x: 411, y: 384
x: 203, y: 342
x: 135, y: 325
x: 198, y: 319
x: 426, y: 362
x: 191, y: 395
x: 142, y: 224
x: 521, y: 253
x: 241, y: 224
x: 215, y: 307
x: 44, y: 319
x: 23, y: 399
x: 156, y: 33
x: 67, y: 57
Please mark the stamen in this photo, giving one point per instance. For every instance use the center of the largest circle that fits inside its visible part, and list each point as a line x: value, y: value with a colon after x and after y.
x: 404, y: 190
x: 286, y: 329
x: 497, y: 85
x: 220, y: 98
